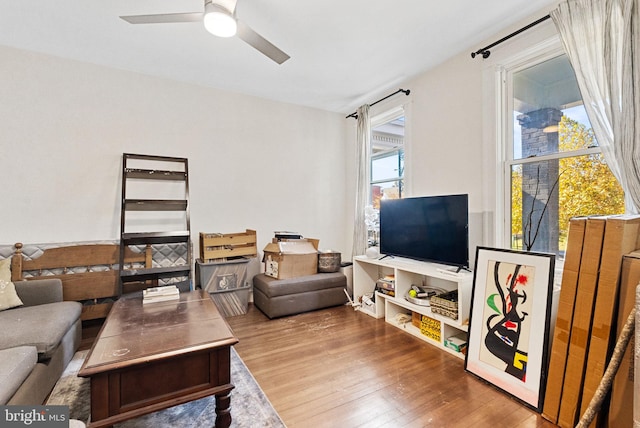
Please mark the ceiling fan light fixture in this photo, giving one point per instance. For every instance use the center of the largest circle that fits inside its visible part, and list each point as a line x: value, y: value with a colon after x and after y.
x: 219, y: 21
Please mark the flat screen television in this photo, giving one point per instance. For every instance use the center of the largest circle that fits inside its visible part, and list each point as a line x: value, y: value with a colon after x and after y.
x: 430, y: 228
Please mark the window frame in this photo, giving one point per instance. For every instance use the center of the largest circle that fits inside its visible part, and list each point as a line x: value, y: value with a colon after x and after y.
x: 544, y: 51
x: 388, y: 115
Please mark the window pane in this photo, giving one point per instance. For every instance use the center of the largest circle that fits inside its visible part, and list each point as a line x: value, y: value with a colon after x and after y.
x: 387, y: 157
x: 386, y: 167
x: 545, y: 96
x: 385, y: 190
x: 388, y: 136
x: 546, y: 195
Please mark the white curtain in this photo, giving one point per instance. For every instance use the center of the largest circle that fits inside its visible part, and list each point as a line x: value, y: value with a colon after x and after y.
x: 363, y: 166
x: 602, y: 39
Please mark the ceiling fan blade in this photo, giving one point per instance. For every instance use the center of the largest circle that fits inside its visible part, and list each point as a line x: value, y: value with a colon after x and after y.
x: 165, y: 18
x: 260, y: 43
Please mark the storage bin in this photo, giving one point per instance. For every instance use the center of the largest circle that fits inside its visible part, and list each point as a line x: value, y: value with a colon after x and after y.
x: 220, y: 276
x: 329, y: 261
x: 232, y: 302
x: 446, y: 304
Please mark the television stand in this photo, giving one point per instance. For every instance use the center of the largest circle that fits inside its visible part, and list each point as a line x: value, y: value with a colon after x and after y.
x: 385, y: 256
x: 453, y: 270
x: 428, y: 326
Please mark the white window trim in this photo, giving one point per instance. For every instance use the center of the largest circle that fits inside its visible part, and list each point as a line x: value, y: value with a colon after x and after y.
x: 542, y: 51
x: 387, y: 115
x: 391, y: 109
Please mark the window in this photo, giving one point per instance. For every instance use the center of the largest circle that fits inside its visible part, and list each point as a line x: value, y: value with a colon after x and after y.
x: 387, y: 157
x: 387, y: 166
x: 554, y: 169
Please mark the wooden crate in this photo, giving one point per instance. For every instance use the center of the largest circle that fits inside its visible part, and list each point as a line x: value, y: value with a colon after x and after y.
x: 218, y: 246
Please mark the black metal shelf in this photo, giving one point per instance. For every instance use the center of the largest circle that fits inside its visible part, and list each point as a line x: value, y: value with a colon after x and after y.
x: 155, y: 168
x: 131, y: 275
x: 155, y: 237
x: 155, y: 158
x: 155, y: 204
x: 154, y: 174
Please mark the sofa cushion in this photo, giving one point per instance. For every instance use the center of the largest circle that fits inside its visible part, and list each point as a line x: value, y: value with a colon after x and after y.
x: 15, y: 366
x: 8, y: 296
x: 272, y: 287
x: 42, y: 326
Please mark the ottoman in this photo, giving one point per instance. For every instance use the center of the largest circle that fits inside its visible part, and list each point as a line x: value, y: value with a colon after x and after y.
x: 280, y: 297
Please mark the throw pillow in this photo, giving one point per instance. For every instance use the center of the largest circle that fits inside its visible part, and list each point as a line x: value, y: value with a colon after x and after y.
x: 8, y: 296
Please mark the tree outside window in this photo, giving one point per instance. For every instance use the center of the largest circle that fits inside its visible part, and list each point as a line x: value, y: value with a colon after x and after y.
x: 557, y: 170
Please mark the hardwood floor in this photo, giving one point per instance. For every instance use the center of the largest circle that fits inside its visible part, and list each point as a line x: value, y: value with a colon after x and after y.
x: 340, y: 368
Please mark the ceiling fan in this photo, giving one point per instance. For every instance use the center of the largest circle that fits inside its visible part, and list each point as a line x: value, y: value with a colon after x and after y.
x: 219, y: 18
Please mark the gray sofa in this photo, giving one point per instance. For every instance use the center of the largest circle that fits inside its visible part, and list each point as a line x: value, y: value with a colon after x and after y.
x: 37, y: 342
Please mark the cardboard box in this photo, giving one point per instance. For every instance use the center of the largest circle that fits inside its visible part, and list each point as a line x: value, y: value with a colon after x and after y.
x: 458, y: 343
x: 581, y: 326
x: 291, y: 258
x: 622, y: 391
x: 562, y: 329
x: 430, y: 327
x: 416, y: 319
x: 620, y: 238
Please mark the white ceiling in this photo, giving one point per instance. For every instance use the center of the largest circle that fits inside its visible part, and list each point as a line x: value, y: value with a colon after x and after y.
x: 343, y: 52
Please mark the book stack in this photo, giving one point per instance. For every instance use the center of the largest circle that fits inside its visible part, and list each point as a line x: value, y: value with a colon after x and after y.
x: 285, y: 235
x: 160, y: 294
x: 387, y: 285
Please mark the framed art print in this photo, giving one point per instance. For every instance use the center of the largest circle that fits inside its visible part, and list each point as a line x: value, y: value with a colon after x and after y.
x: 510, y: 321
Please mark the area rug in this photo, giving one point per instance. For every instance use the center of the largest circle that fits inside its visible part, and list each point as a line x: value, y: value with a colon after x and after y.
x: 249, y: 406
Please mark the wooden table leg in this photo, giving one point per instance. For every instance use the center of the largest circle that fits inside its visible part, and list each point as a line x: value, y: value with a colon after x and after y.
x: 223, y: 410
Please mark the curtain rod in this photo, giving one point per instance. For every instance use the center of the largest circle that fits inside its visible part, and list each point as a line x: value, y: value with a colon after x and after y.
x: 485, y: 52
x: 405, y: 91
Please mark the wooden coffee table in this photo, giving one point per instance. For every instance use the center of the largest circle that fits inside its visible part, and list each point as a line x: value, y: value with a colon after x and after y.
x: 158, y: 355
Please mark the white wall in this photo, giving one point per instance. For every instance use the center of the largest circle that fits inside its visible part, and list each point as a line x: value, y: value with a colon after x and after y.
x: 446, y: 137
x: 452, y: 142
x: 253, y: 163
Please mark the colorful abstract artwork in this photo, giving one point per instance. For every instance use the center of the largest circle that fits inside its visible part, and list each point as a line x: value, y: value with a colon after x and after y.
x: 507, y: 307
x: 509, y: 321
